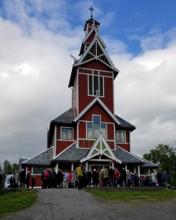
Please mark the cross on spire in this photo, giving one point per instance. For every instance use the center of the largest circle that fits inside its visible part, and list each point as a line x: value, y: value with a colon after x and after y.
x: 91, y: 11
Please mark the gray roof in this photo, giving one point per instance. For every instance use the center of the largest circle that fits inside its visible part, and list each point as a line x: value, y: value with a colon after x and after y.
x: 126, y: 157
x: 124, y: 124
x: 149, y: 164
x: 76, y: 154
x: 72, y: 154
x: 43, y: 159
x: 66, y: 118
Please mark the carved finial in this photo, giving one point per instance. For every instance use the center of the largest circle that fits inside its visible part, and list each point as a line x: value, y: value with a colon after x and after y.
x: 91, y: 11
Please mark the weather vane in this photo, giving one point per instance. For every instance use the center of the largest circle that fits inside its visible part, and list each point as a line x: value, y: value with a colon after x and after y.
x: 91, y: 11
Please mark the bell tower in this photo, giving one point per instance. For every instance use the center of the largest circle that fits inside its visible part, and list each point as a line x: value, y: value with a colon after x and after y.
x: 93, y: 73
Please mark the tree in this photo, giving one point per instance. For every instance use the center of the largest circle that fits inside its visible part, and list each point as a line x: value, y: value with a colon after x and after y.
x: 7, y: 167
x: 165, y: 156
x: 14, y: 167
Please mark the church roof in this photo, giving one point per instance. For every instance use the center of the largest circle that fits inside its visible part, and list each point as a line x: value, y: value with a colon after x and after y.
x: 72, y: 154
x: 66, y: 118
x: 75, y: 154
x: 44, y: 158
x: 124, y: 124
x: 126, y: 157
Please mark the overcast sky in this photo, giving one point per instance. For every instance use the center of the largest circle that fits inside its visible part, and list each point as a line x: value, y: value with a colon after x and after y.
x: 36, y: 40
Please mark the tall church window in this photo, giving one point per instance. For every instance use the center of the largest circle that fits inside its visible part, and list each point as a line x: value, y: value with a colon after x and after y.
x: 95, y: 128
x: 67, y: 133
x: 96, y: 85
x: 120, y: 136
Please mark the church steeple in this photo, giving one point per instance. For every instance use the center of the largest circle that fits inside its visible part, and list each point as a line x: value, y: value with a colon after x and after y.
x: 91, y: 23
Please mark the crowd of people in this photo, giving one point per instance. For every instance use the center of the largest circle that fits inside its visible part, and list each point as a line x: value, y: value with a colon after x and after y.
x: 105, y: 177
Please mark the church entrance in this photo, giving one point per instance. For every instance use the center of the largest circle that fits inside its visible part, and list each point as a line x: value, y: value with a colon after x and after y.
x: 99, y: 164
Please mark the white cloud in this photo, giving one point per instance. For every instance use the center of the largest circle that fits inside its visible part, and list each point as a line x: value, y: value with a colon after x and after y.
x: 158, y: 40
x: 146, y: 94
x: 34, y: 75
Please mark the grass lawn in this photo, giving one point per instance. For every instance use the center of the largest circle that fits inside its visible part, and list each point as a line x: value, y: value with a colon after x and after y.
x: 128, y: 195
x: 17, y: 200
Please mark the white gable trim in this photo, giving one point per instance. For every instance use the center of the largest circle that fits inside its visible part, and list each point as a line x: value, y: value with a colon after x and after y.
x: 100, y: 141
x: 95, y: 57
x: 96, y: 33
x: 96, y: 99
x: 64, y: 150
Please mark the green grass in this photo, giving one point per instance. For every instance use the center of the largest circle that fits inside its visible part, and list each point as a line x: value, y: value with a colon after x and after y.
x: 17, y: 200
x: 129, y: 195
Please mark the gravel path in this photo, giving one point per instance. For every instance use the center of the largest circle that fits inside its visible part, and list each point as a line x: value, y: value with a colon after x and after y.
x: 73, y: 204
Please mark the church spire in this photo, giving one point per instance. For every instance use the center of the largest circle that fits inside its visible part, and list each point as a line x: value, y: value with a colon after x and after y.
x: 91, y: 11
x: 91, y: 22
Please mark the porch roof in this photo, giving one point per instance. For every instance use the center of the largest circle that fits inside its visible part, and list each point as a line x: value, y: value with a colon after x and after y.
x: 126, y: 157
x: 75, y: 154
x: 72, y: 154
x: 42, y: 159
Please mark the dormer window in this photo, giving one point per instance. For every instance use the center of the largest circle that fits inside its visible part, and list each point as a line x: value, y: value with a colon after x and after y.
x: 96, y: 84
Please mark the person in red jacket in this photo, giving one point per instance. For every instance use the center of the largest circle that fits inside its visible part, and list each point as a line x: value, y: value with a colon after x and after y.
x: 116, y: 177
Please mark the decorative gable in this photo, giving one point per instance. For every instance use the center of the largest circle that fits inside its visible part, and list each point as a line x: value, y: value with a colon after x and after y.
x: 99, y: 148
x: 96, y: 51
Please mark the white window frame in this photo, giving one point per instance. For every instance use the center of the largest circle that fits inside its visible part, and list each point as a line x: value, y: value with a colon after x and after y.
x: 124, y: 131
x: 61, y: 136
x: 93, y: 115
x: 93, y: 75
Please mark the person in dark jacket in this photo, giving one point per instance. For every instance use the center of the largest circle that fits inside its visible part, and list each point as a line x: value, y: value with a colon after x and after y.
x: 27, y: 180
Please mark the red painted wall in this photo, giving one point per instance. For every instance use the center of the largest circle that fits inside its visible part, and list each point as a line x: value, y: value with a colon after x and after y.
x: 82, y: 129
x: 62, y: 145
x: 125, y: 146
x: 84, y: 99
x: 86, y: 143
x: 97, y: 109
x: 110, y: 131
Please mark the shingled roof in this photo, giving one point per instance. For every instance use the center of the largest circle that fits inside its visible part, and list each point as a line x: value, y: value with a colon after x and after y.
x: 66, y: 118
x: 43, y: 159
x: 124, y: 124
x: 126, y: 157
x: 72, y: 154
x: 76, y: 154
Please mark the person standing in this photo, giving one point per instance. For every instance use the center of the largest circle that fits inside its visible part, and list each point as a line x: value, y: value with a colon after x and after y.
x: 27, y: 180
x: 33, y: 181
x: 79, y: 173
x: 123, y: 177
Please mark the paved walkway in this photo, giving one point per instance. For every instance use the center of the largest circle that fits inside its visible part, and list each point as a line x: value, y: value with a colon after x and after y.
x: 73, y: 204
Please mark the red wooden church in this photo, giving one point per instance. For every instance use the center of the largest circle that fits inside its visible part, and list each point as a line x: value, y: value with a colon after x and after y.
x: 90, y: 132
